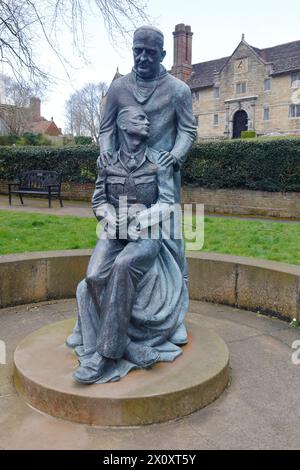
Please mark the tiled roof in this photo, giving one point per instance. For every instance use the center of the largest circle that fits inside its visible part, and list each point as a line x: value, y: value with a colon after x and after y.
x: 203, y: 73
x: 44, y: 127
x: 285, y: 58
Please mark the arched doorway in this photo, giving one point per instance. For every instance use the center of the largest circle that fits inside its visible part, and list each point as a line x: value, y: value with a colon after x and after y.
x: 240, y: 123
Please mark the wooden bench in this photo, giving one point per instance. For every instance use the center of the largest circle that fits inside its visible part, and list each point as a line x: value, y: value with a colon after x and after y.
x: 37, y: 182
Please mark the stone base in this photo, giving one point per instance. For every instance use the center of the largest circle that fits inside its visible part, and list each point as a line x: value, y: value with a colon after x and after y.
x: 43, y: 376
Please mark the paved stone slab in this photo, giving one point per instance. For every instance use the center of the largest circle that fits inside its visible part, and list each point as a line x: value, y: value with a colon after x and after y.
x: 257, y: 411
x: 40, y: 206
x: 256, y: 323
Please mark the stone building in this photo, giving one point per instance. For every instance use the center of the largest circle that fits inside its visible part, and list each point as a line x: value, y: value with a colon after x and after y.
x: 17, y: 120
x: 40, y: 125
x: 253, y: 89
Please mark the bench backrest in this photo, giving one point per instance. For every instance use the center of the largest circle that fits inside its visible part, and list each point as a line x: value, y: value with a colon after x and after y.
x: 38, y: 179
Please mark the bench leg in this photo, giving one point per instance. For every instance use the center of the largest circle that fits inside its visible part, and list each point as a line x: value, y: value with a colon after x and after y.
x: 60, y: 201
x: 49, y: 200
x: 21, y: 199
x: 9, y: 198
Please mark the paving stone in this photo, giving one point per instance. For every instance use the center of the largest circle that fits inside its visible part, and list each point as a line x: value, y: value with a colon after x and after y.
x: 259, y: 410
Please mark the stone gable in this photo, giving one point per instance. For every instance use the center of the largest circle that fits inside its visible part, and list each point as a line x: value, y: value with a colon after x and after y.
x: 250, y: 90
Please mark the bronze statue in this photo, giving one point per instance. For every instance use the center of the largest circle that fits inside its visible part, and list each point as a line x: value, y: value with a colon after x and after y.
x: 134, y: 299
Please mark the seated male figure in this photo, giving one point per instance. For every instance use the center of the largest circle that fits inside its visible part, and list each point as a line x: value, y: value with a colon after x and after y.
x: 119, y: 262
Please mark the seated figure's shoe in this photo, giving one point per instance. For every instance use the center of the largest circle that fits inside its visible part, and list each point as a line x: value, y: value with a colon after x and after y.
x: 180, y: 336
x: 92, y: 370
x: 141, y: 355
x: 74, y: 339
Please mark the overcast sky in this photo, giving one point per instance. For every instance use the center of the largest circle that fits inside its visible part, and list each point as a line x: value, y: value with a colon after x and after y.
x: 217, y: 27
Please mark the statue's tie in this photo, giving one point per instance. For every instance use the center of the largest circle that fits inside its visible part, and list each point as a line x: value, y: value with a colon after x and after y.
x: 131, y: 163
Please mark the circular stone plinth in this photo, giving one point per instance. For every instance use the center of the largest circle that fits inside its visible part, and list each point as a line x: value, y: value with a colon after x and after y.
x: 43, y: 376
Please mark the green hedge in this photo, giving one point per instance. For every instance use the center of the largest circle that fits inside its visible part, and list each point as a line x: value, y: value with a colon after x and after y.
x: 76, y: 163
x: 8, y: 139
x: 28, y: 138
x: 83, y: 140
x: 270, y: 165
x: 248, y: 134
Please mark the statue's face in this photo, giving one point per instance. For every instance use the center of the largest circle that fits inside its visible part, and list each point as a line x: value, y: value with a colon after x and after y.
x: 137, y: 124
x: 147, y: 53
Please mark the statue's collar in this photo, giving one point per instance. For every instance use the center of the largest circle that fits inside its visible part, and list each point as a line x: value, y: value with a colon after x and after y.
x: 162, y: 73
x: 143, y: 93
x: 149, y: 155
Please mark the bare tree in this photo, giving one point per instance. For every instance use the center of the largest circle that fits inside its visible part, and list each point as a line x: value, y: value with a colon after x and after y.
x: 25, y: 23
x: 18, y: 93
x: 14, y: 119
x: 14, y: 103
x: 84, y: 110
x: 74, y: 115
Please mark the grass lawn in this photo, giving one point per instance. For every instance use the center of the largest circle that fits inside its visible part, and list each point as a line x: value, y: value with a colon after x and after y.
x: 21, y: 233
x: 276, y: 241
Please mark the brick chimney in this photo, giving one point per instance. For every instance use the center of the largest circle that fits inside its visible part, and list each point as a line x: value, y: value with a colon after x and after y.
x: 182, y: 67
x: 35, y: 106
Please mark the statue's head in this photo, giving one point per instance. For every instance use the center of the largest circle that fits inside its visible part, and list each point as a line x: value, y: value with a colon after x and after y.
x: 148, y: 51
x: 133, y: 121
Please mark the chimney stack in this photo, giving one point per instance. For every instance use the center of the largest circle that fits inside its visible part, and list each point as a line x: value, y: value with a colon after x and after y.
x: 182, y: 67
x: 35, y: 106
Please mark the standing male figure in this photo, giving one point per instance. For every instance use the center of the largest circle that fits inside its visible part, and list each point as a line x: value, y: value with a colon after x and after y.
x: 166, y: 100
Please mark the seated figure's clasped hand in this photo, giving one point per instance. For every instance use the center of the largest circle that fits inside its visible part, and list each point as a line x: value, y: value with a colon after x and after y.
x: 117, y: 224
x: 134, y: 230
x: 128, y: 227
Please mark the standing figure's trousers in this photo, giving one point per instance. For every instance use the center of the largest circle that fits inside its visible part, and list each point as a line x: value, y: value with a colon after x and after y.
x: 114, y: 271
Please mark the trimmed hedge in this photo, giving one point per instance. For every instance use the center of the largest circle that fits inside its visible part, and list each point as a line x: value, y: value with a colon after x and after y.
x: 28, y: 138
x: 269, y: 165
x: 8, y: 139
x: 248, y: 134
x: 76, y: 163
x: 83, y: 140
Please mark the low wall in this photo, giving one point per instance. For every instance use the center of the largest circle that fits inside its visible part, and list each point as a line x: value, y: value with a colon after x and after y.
x: 244, y: 202
x: 247, y: 283
x: 216, y: 201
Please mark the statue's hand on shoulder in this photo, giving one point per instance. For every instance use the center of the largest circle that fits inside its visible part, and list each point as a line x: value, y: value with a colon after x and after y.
x: 104, y: 159
x: 167, y: 158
